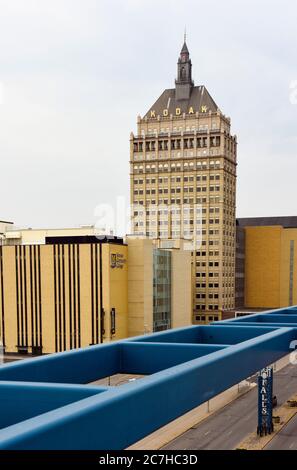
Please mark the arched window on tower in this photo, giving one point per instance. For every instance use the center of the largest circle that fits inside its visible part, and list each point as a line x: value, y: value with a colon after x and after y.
x: 183, y: 73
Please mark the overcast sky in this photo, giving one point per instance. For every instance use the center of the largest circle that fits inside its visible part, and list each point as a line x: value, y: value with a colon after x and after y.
x: 75, y: 74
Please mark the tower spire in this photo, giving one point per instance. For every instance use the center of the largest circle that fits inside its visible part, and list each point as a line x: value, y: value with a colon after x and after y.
x: 184, y: 82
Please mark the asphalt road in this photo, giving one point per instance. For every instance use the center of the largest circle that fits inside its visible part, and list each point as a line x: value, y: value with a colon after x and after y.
x: 225, y: 429
x: 286, y: 439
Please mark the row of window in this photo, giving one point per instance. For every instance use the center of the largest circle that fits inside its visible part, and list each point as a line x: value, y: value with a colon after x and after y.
x: 178, y: 144
x: 211, y: 274
x: 210, y: 307
x: 230, y: 244
x: 200, y: 127
x: 181, y: 210
x: 178, y: 154
x: 211, y: 264
x: 178, y: 210
x: 195, y: 234
x: 203, y: 318
x: 209, y: 253
x: 229, y: 291
x: 177, y: 166
x: 203, y: 264
x: 187, y: 142
x: 186, y: 189
x: 203, y: 285
x: 140, y: 223
x: 199, y: 200
x: 214, y: 275
x: 210, y: 296
x: 161, y: 201
x: 177, y: 179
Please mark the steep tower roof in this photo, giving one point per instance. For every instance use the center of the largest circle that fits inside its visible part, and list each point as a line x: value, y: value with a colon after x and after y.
x: 185, y: 96
x: 185, y: 49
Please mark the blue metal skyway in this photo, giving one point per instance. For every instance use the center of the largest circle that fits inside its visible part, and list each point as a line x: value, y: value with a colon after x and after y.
x: 46, y: 402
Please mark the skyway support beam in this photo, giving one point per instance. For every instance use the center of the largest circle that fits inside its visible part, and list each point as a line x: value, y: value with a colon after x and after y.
x: 183, y: 368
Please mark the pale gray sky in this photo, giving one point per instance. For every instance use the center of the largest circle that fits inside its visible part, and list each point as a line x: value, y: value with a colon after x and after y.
x: 76, y: 73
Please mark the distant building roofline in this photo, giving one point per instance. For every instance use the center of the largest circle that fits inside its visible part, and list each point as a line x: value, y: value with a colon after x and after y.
x: 54, y: 229
x: 283, y: 221
x: 83, y: 239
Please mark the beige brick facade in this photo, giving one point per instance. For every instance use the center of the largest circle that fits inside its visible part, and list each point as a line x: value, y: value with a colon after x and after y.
x: 183, y: 185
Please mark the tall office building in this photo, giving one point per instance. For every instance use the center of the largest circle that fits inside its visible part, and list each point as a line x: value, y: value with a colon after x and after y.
x: 183, y: 185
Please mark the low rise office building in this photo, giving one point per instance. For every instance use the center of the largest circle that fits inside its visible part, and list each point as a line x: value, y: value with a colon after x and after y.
x: 4, y: 227
x: 74, y: 289
x: 266, y: 264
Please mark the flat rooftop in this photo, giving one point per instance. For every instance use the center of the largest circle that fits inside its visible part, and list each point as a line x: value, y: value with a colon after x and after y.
x: 284, y: 221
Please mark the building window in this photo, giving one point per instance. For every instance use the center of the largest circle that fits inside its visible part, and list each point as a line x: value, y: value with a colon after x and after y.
x: 161, y: 290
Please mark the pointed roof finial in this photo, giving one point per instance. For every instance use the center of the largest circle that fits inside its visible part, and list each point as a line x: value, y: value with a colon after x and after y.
x: 185, y: 47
